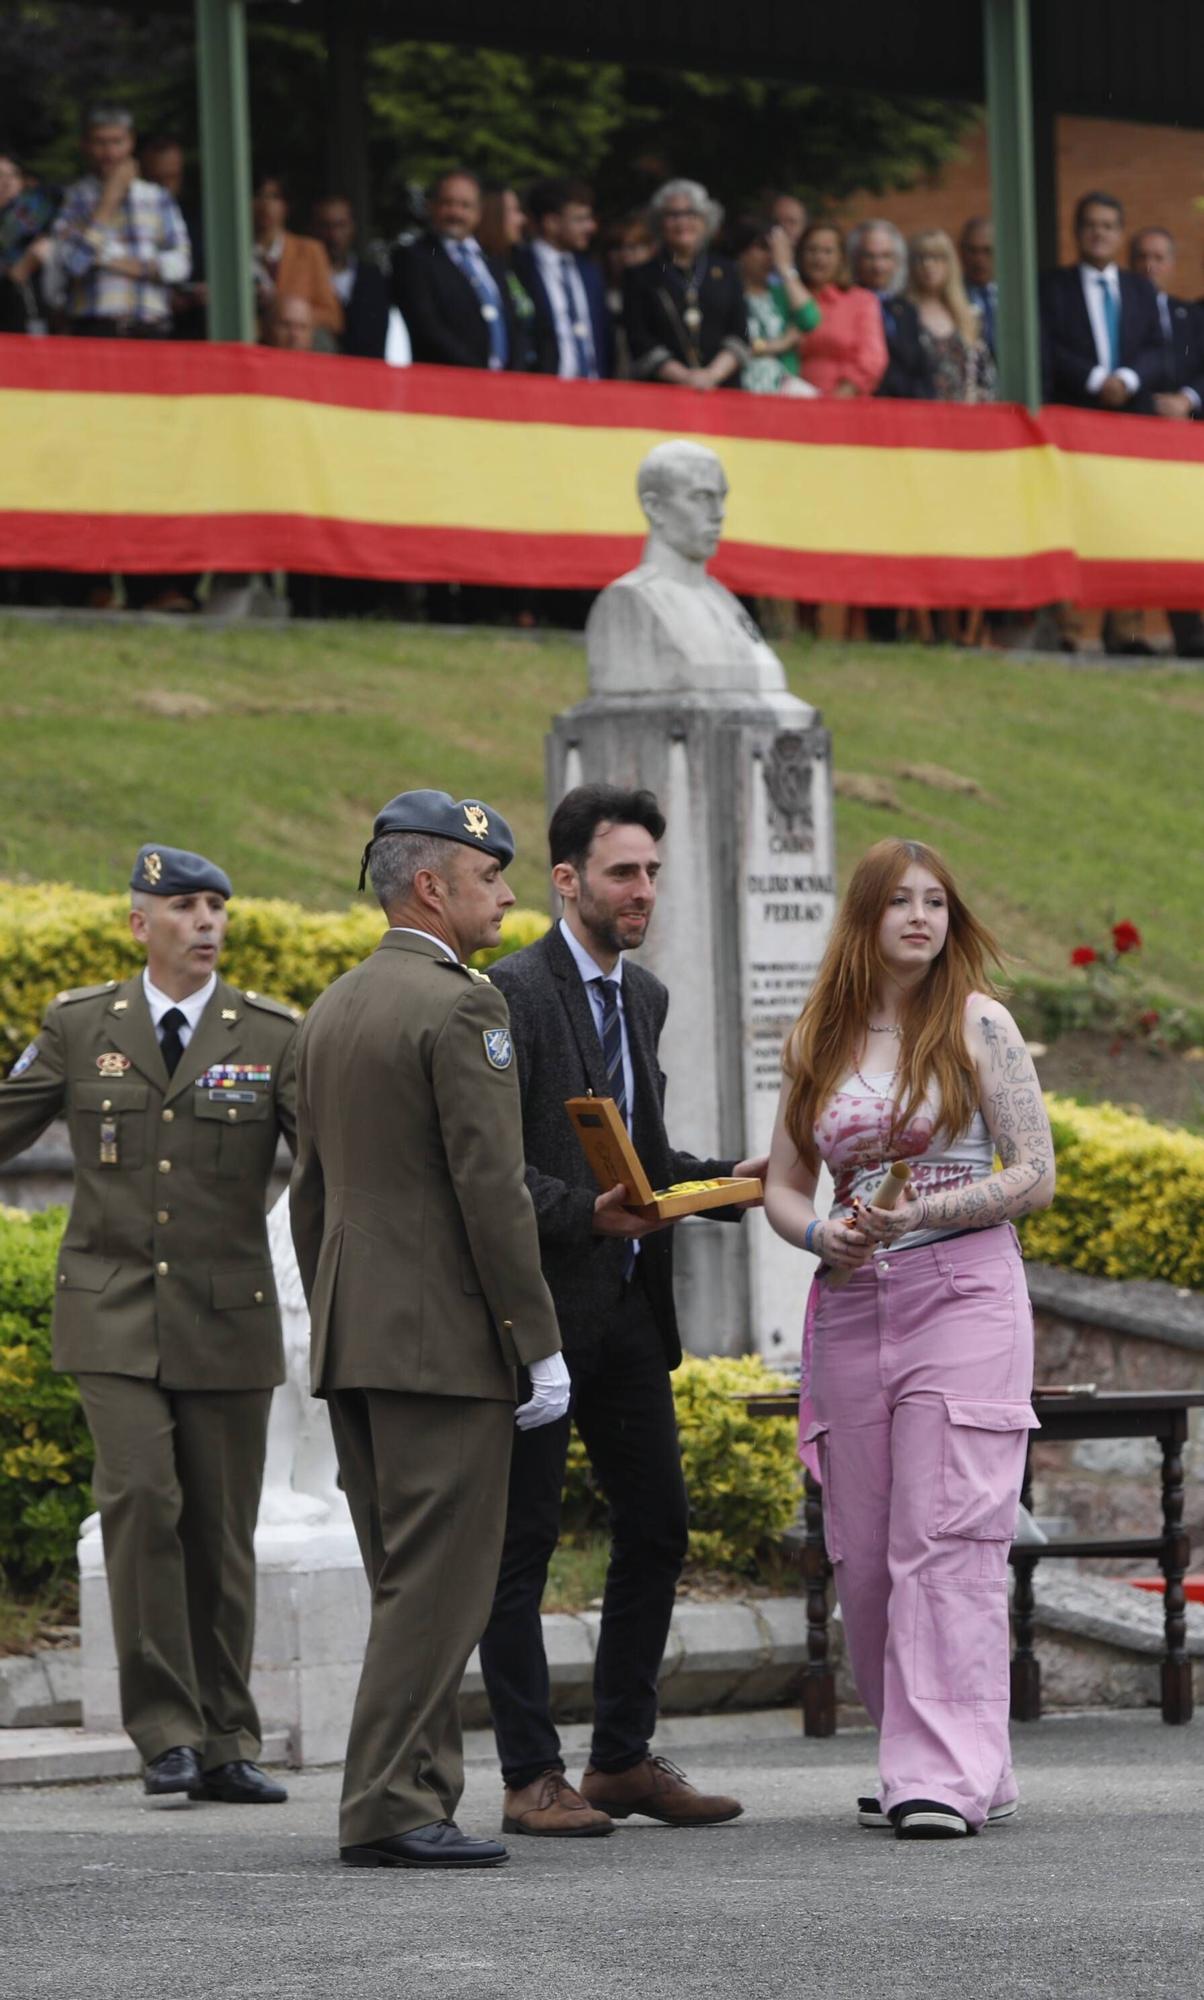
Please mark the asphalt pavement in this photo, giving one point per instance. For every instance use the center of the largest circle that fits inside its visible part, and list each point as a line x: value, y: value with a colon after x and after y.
x: 1095, y: 1890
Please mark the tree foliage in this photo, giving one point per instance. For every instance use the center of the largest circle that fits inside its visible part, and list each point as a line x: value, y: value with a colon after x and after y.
x: 428, y: 105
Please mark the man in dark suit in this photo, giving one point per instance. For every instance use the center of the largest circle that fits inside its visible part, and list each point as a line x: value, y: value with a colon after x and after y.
x: 362, y: 288
x: 976, y: 249
x: 453, y: 298
x: 1152, y: 256
x: 586, y: 1018
x: 567, y: 286
x: 879, y: 259
x: 1101, y: 337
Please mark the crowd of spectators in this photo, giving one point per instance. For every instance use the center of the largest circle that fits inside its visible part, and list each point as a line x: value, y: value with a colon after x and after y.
x: 769, y: 302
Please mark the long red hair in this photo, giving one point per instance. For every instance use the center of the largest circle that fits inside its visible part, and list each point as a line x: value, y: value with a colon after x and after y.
x: 824, y: 1043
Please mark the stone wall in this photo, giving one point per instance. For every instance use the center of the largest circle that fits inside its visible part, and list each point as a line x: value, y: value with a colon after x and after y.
x: 1119, y: 1336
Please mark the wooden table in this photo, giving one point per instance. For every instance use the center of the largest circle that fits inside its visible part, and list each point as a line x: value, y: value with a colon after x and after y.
x: 1111, y: 1413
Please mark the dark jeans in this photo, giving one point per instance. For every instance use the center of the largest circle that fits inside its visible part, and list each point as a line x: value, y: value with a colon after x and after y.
x: 623, y: 1409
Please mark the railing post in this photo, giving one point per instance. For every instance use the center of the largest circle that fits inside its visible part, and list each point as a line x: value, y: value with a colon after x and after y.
x: 225, y: 128
x: 1009, y: 80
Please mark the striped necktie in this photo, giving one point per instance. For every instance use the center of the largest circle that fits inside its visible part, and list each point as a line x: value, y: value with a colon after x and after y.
x: 616, y: 1082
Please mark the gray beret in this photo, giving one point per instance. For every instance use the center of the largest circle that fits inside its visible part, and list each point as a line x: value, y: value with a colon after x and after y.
x: 173, y: 871
x: 438, y: 814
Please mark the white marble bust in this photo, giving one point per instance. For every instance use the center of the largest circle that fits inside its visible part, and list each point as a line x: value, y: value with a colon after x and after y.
x: 668, y: 626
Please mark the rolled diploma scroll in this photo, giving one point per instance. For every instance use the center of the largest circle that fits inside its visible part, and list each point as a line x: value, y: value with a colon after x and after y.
x: 885, y: 1195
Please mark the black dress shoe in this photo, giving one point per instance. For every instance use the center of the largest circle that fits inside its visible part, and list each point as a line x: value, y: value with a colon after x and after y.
x: 441, y: 1845
x: 177, y: 1770
x: 238, y: 1784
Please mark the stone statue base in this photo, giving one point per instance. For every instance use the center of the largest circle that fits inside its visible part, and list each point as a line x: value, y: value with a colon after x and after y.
x: 746, y: 900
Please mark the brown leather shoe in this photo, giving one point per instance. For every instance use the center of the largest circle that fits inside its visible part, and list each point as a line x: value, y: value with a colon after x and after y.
x: 549, y: 1807
x: 659, y: 1790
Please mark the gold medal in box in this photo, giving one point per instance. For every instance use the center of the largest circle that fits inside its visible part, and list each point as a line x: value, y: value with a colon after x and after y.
x: 607, y: 1146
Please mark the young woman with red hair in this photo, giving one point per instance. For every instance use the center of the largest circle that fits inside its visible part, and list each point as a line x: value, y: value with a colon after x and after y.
x: 918, y: 1362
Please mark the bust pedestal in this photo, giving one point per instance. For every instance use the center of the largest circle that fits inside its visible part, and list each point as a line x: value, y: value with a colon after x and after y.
x: 743, y: 913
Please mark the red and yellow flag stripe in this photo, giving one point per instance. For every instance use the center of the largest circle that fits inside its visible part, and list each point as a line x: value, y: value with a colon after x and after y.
x: 174, y: 457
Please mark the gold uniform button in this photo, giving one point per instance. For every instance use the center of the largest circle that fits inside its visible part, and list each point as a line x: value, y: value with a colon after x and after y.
x: 168, y: 1115
x: 161, y: 1269
x: 165, y: 1166
x: 232, y: 1112
x: 106, y: 1104
x: 163, y: 1215
x: 507, y: 1326
x: 259, y: 1298
x: 62, y: 1277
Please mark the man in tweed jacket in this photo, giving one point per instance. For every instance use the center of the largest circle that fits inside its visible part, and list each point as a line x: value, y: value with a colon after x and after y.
x: 585, y: 1017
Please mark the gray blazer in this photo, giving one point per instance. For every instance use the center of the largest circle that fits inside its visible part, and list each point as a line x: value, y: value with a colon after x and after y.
x: 559, y: 1055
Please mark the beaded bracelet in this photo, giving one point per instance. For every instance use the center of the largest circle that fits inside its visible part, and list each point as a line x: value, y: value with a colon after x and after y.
x: 807, y: 1233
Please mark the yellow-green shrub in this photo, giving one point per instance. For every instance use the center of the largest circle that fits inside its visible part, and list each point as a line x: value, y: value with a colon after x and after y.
x: 1130, y: 1199
x: 742, y: 1472
x: 45, y: 1450
x: 52, y: 936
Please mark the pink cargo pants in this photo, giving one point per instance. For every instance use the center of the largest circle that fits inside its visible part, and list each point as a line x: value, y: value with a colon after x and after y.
x: 921, y: 1373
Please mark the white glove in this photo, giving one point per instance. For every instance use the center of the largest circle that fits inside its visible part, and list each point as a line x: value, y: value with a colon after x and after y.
x: 550, y: 1392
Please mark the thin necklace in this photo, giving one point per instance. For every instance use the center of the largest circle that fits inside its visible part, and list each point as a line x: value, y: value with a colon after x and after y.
x: 876, y: 1030
x: 881, y: 1095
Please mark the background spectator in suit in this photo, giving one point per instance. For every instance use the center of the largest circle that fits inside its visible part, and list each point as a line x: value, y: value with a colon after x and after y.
x: 290, y: 266
x: 976, y: 248
x: 846, y: 354
x: 567, y: 287
x: 878, y: 256
x: 624, y: 244
x: 27, y: 213
x: 779, y: 307
x: 453, y: 298
x: 290, y: 324
x: 950, y: 327
x: 360, y: 287
x: 162, y: 161
x: 1100, y: 331
x: 1152, y: 256
x: 502, y: 234
x: 684, y: 309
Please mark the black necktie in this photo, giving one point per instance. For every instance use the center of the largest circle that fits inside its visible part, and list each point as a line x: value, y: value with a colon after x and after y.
x: 170, y: 1043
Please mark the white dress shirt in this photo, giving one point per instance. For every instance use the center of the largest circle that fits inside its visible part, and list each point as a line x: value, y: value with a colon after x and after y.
x: 563, y: 283
x: 192, y: 1008
x: 1093, y: 295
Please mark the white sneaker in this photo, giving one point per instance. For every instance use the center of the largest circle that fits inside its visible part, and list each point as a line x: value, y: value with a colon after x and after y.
x: 927, y: 1819
x: 871, y: 1815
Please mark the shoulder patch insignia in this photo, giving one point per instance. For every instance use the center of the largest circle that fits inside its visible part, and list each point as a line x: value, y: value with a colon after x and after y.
x: 499, y: 1049
x: 482, y: 978
x: 24, y: 1060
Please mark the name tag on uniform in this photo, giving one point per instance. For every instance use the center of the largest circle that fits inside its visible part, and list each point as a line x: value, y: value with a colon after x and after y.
x: 233, y: 1097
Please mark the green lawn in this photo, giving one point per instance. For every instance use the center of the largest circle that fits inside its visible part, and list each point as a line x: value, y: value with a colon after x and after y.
x: 272, y: 750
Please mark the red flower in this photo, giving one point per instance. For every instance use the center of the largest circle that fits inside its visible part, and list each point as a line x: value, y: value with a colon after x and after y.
x: 1083, y: 955
x: 1126, y: 937
x: 1149, y: 1020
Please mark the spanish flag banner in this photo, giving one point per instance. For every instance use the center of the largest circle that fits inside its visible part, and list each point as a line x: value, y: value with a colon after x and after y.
x: 163, y: 456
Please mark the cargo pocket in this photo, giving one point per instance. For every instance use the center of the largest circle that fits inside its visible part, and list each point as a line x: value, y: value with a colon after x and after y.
x: 982, y: 1469
x: 961, y: 1639
x: 817, y: 1434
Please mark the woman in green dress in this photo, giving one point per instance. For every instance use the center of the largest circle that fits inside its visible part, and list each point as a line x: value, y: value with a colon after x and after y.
x: 780, y: 308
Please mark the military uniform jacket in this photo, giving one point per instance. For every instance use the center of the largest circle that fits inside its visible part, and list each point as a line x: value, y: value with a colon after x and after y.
x: 164, y: 1270
x: 414, y: 1230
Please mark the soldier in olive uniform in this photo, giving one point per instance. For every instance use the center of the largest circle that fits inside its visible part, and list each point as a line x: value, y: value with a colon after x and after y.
x: 417, y: 1245
x: 175, y: 1087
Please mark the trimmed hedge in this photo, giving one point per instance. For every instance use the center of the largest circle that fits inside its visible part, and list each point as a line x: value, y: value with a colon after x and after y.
x: 53, y: 937
x: 45, y: 1449
x: 1130, y: 1199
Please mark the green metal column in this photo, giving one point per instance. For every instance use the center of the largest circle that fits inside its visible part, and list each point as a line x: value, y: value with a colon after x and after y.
x: 225, y: 125
x: 1009, y: 79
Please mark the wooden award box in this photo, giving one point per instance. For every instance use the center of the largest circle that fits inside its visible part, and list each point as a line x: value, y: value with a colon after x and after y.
x: 607, y: 1146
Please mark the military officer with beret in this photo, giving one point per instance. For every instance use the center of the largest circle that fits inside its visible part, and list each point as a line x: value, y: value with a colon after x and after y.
x: 417, y: 1245
x: 175, y: 1087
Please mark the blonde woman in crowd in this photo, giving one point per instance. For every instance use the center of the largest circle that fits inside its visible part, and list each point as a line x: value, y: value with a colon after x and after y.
x: 846, y: 353
x: 950, y: 327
